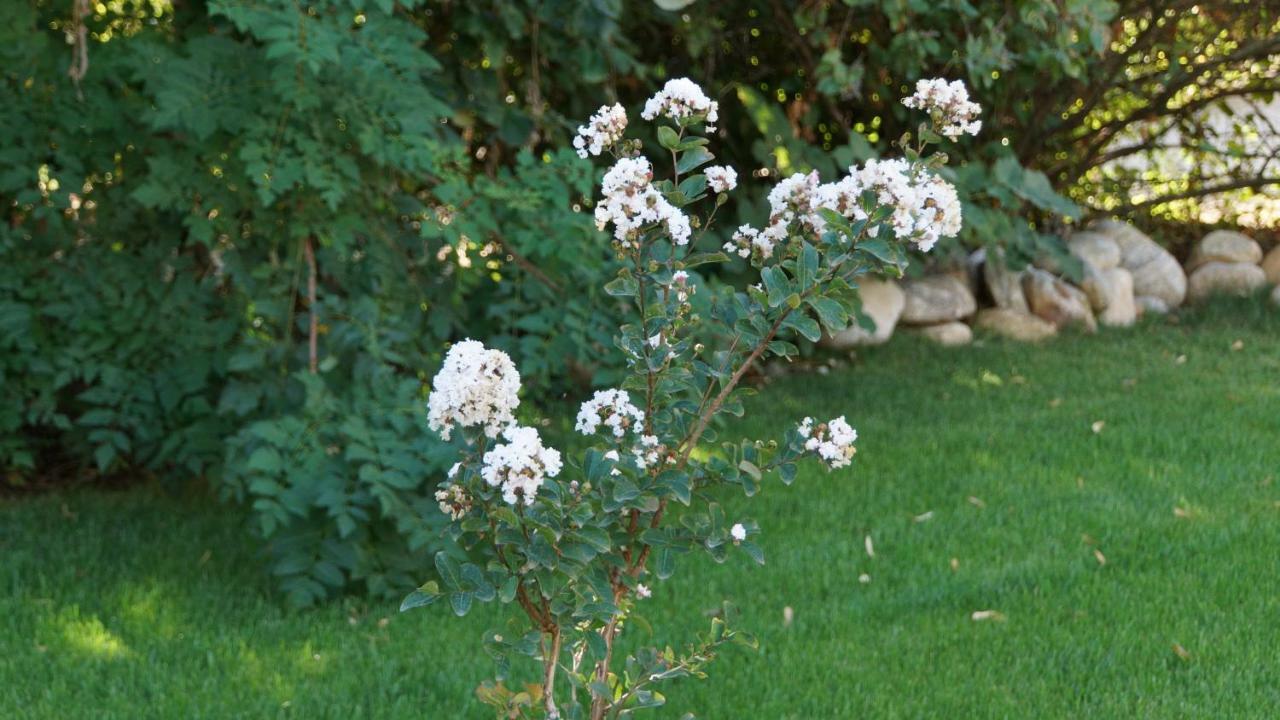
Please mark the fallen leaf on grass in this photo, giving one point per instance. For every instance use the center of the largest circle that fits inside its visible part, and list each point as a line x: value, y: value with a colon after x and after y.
x: 1097, y: 426
x: 864, y: 578
x: 871, y: 550
x: 1180, y: 360
x: 205, y: 557
x: 1237, y: 346
x: 1181, y: 651
x: 923, y: 517
x: 955, y: 564
x: 1055, y: 402
x: 1180, y: 513
x: 980, y: 615
x: 787, y: 616
x: 976, y: 501
x: 1097, y: 555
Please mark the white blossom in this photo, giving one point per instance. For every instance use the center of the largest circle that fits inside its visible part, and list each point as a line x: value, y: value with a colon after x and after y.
x: 949, y: 103
x: 843, y: 197
x: 679, y: 99
x: 643, y: 592
x: 602, y: 130
x: 747, y: 240
x: 631, y: 202
x: 520, y: 465
x: 680, y: 279
x: 791, y: 199
x: 476, y: 386
x: 925, y: 207
x: 454, y: 501
x: 612, y: 409
x: 831, y: 441
x: 721, y: 178
x: 738, y: 532
x: 648, y: 452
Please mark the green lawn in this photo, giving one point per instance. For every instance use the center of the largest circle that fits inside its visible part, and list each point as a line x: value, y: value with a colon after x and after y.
x: 1135, y: 571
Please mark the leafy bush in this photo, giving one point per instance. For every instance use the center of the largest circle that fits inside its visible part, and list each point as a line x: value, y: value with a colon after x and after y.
x: 243, y: 232
x: 576, y: 545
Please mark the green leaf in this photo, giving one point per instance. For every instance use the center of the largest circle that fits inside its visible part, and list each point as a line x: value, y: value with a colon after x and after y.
x: 775, y: 283
x: 704, y: 258
x: 754, y: 550
x: 507, y: 592
x: 807, y: 267
x: 625, y: 285
x: 428, y: 594
x: 788, y: 473
x: 461, y: 602
x: 879, y: 249
x: 805, y: 325
x: 668, y: 138
x: 664, y: 563
x: 693, y: 159
x: 450, y: 571
x: 832, y: 315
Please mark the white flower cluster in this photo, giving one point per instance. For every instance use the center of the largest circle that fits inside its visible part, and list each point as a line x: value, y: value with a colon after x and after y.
x: 630, y: 202
x: 925, y: 206
x: 454, y: 501
x: 613, y: 409
x: 648, y: 452
x: 747, y: 240
x: 949, y: 102
x: 476, y: 386
x: 601, y: 131
x: 738, y: 532
x: 721, y: 178
x: 681, y: 98
x: 520, y: 465
x: 831, y: 441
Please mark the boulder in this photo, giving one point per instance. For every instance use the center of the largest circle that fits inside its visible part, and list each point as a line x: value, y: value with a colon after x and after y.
x: 932, y: 300
x: 1150, y: 304
x: 1224, y: 246
x: 1155, y: 271
x: 1057, y: 301
x: 1214, y: 278
x: 1097, y: 286
x: 882, y: 301
x: 948, y: 334
x: 1014, y: 324
x: 1005, y: 285
x: 1120, y: 311
x: 1271, y: 265
x: 1094, y: 248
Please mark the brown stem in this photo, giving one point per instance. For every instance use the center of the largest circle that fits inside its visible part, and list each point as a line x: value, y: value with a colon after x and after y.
x: 599, y: 704
x: 549, y: 663
x: 692, y: 441
x: 313, y: 331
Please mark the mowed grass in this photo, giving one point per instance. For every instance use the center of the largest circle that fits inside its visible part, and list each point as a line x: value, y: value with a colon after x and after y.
x: 1131, y: 571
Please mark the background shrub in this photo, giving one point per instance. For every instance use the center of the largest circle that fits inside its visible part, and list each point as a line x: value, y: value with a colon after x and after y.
x: 170, y: 202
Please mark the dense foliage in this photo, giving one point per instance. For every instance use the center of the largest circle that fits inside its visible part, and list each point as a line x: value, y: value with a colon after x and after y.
x: 238, y: 233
